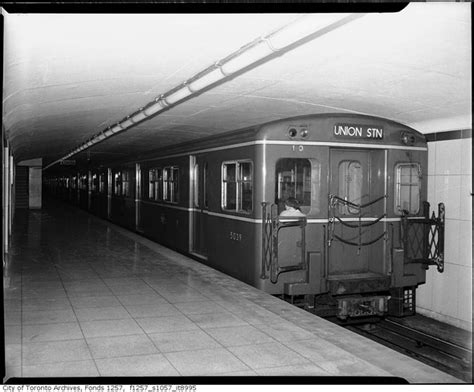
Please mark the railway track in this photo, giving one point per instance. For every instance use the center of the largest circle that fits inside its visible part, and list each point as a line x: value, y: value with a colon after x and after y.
x: 447, y: 356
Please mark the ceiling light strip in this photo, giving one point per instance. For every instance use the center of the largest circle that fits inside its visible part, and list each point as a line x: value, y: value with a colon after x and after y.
x: 286, y: 38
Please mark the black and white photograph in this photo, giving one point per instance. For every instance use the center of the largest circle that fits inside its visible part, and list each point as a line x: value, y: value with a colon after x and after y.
x: 241, y: 195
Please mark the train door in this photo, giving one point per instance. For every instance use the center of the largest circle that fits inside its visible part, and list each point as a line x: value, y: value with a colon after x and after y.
x: 356, y: 206
x: 293, y: 180
x: 200, y: 206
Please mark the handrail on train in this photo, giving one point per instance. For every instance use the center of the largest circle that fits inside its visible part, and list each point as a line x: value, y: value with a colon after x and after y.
x: 334, y: 200
x: 423, y: 238
x: 338, y: 199
x: 271, y: 226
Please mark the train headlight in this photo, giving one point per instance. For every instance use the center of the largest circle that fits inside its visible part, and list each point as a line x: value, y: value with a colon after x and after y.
x: 408, y: 138
x: 298, y: 131
x: 292, y: 132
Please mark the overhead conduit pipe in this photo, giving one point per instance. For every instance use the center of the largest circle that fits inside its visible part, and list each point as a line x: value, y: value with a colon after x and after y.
x: 305, y: 28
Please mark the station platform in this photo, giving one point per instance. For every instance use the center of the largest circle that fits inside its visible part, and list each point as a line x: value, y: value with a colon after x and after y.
x: 86, y: 298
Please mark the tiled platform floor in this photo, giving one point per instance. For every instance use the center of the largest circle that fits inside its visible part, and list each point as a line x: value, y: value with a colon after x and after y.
x: 84, y: 298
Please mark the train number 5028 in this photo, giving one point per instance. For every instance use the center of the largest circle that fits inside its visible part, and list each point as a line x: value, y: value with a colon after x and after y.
x: 235, y: 236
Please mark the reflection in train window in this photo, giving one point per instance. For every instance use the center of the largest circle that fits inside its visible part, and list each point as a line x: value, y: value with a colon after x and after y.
x: 122, y: 186
x: 407, y: 188
x: 94, y: 183
x: 102, y: 183
x: 237, y: 186
x: 83, y: 182
x: 229, y: 186
x: 155, y: 188
x: 170, y: 184
x: 126, y: 189
x: 205, y: 196
x: 118, y: 184
x: 196, y: 185
x: 294, y: 179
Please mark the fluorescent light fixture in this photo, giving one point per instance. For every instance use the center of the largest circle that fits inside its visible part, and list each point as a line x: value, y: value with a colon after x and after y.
x: 178, y: 95
x: 246, y: 58
x: 206, y: 80
x: 139, y: 117
x: 304, y: 27
x: 116, y: 128
x: 126, y: 124
x: 158, y: 106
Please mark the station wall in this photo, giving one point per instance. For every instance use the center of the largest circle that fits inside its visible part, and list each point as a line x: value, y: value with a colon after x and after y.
x: 447, y: 296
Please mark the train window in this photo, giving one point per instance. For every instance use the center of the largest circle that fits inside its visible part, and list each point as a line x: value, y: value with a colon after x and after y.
x: 102, y: 183
x: 350, y: 185
x: 293, y: 179
x: 126, y: 188
x: 229, y: 186
x: 237, y: 186
x: 245, y: 186
x: 407, y: 188
x: 110, y: 182
x: 205, y: 190
x: 118, y: 184
x: 82, y: 182
x: 94, y: 183
x: 170, y: 184
x: 196, y: 185
x: 155, y: 184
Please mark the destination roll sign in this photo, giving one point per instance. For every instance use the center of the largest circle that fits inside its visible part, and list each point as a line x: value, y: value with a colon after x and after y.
x: 358, y: 131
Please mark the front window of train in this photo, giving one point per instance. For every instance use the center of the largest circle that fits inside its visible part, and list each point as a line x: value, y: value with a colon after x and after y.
x: 407, y: 188
x: 298, y: 178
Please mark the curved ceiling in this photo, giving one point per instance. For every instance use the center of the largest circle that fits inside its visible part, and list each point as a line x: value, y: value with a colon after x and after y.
x: 69, y: 76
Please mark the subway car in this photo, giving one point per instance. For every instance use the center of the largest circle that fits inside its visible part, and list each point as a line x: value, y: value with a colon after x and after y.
x: 362, y: 247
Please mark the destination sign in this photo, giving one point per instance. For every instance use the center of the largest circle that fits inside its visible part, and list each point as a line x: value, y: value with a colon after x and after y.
x: 358, y: 131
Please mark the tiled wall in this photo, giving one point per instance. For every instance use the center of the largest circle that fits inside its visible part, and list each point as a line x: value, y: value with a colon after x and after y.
x: 447, y: 296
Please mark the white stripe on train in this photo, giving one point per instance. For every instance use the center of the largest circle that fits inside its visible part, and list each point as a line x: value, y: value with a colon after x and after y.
x: 252, y: 220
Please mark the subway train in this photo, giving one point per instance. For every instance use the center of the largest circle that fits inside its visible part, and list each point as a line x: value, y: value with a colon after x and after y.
x: 361, y: 247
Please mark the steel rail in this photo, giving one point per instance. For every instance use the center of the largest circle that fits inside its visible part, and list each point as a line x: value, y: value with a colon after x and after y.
x: 430, y: 340
x: 441, y: 354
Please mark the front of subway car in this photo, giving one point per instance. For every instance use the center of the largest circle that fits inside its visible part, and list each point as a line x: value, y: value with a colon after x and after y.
x: 367, y: 235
